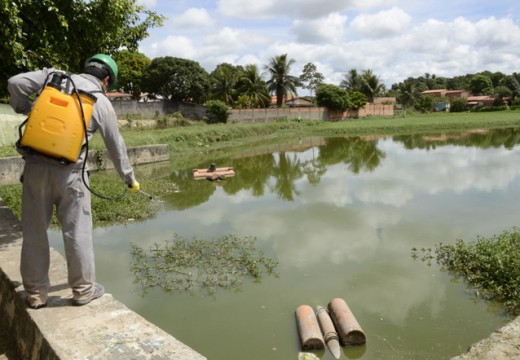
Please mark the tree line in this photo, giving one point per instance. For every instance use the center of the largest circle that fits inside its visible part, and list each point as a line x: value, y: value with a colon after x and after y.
x: 51, y: 33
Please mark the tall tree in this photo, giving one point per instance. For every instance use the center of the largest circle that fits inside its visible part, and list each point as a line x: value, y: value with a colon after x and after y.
x: 352, y: 81
x: 177, y: 79
x: 514, y: 86
x: 281, y: 83
x: 310, y: 78
x: 481, y: 84
x: 408, y: 92
x: 224, y: 80
x: 64, y: 33
x: 131, y: 65
x: 254, y: 87
x: 371, y: 85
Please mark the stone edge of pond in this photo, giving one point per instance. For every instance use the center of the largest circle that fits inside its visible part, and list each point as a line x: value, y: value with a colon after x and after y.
x: 103, y: 329
x: 502, y: 344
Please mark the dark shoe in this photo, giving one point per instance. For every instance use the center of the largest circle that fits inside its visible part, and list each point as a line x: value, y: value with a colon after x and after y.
x: 99, y: 291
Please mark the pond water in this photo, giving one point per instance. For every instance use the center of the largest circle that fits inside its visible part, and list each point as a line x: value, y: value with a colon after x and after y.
x: 340, y: 216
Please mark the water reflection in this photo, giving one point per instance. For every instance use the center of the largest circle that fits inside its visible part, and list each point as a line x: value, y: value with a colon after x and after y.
x: 279, y: 173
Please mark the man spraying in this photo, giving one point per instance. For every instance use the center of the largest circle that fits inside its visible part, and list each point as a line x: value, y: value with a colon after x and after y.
x: 49, y: 181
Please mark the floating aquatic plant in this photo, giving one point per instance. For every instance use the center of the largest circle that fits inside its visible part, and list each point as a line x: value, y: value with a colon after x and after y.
x: 187, y: 264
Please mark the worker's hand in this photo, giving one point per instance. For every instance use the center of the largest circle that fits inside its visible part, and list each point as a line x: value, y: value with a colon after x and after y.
x: 134, y: 187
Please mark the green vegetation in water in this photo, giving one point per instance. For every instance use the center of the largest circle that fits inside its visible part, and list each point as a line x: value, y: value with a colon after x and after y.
x: 189, y: 264
x: 491, y: 265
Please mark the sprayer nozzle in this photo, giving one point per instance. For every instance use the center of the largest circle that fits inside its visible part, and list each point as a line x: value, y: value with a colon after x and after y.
x: 142, y: 192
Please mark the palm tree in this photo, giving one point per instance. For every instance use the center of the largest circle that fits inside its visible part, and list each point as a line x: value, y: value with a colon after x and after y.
x: 409, y: 93
x: 371, y: 85
x: 281, y: 83
x: 253, y: 86
x: 352, y: 81
x: 223, y: 83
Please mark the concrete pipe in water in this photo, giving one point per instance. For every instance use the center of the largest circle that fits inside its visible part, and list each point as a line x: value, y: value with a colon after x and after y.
x: 349, y: 331
x: 329, y: 332
x: 308, y: 328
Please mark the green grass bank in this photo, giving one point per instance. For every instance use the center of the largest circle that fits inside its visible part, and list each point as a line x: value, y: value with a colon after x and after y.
x: 196, y: 142
x: 187, y: 137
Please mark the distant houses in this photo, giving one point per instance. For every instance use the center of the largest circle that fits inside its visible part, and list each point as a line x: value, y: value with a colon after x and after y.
x: 473, y: 100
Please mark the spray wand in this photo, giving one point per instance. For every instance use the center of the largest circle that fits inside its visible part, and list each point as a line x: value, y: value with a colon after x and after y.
x: 144, y: 193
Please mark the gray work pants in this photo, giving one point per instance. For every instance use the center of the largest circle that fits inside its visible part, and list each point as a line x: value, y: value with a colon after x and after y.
x: 45, y: 186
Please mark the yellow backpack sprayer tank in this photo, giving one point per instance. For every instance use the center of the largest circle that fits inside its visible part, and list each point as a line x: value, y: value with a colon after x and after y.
x: 57, y: 123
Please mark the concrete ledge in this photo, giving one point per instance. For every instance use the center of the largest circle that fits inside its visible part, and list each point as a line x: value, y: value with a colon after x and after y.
x: 103, y: 329
x: 11, y: 167
x: 10, y: 170
x: 503, y: 344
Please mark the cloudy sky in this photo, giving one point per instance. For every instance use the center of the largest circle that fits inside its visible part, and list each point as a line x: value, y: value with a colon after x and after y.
x: 394, y: 38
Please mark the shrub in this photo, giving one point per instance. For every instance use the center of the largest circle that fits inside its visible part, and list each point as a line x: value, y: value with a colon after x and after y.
x: 332, y: 97
x: 172, y: 120
x: 217, y: 111
x: 491, y: 265
x: 459, y: 105
x: 492, y: 108
x: 425, y: 104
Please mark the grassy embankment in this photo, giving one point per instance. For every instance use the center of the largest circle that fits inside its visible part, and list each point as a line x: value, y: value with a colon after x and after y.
x: 198, y: 138
x: 195, y: 142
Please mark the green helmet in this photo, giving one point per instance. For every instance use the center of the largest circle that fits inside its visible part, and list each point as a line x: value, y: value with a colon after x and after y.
x: 110, y: 64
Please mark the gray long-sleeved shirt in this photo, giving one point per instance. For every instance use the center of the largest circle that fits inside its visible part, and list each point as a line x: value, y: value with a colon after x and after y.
x: 104, y: 118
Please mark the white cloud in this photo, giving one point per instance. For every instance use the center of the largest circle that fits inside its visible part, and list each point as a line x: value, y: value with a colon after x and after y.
x: 194, y: 17
x: 177, y: 46
x: 291, y: 8
x: 327, y: 29
x: 382, y: 24
x: 497, y: 34
x: 149, y: 4
x: 394, y: 42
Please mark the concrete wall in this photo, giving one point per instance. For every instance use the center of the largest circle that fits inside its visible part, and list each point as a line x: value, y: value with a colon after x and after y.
x: 148, y: 110
x: 305, y: 113
x: 273, y: 114
x: 11, y: 168
x: 103, y: 329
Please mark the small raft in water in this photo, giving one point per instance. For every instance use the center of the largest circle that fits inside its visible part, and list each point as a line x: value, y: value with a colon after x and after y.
x: 213, y: 173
